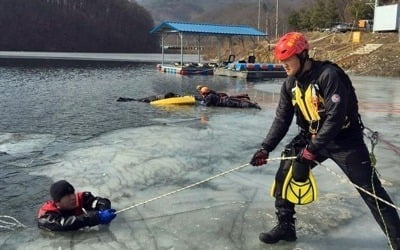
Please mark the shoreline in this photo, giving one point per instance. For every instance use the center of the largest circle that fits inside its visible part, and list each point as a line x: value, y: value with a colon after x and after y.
x: 93, y: 57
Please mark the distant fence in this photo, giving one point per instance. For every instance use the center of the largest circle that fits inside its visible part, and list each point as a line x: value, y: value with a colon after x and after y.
x: 188, y: 48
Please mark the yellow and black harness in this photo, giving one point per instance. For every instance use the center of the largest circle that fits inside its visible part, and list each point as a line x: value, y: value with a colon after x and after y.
x: 310, y: 105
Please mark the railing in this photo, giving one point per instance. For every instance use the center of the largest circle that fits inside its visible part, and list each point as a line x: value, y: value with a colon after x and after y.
x: 192, y: 48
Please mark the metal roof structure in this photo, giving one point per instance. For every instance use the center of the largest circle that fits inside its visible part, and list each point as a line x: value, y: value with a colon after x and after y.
x: 206, y: 29
x: 203, y: 29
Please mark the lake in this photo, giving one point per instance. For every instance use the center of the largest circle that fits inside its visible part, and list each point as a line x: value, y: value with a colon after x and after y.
x: 63, y: 122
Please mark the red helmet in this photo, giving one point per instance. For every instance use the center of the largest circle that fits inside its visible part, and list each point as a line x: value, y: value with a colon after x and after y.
x: 292, y: 43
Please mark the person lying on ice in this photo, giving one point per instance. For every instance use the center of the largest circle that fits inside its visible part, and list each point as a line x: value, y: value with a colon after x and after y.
x: 148, y: 99
x: 69, y: 211
x: 213, y: 98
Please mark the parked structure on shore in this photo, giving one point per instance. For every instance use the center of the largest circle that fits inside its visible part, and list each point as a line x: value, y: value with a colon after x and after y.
x: 243, y: 69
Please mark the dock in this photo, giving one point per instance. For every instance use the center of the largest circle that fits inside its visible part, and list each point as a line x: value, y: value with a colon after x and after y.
x: 189, y: 69
x: 252, y: 70
x: 199, y: 30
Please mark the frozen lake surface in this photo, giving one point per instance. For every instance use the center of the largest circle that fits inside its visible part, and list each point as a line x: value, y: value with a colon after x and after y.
x: 64, y: 123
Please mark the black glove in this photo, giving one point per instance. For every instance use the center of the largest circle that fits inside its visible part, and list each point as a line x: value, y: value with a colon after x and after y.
x: 260, y: 157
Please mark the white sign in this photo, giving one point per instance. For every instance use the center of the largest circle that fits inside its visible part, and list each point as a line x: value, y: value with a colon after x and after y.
x: 386, y: 18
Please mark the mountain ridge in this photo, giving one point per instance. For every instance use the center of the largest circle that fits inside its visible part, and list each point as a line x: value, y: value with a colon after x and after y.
x: 223, y: 11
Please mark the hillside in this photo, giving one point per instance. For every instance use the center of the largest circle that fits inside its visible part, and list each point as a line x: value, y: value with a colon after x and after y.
x: 384, y: 61
x: 185, y: 10
x: 78, y: 26
x: 336, y: 47
x: 221, y: 11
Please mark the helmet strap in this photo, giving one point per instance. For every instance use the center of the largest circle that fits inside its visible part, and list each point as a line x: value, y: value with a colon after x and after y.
x: 303, y: 57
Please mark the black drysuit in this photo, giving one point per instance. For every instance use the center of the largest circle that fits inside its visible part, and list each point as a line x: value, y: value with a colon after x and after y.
x: 51, y: 218
x: 337, y: 136
x: 223, y: 100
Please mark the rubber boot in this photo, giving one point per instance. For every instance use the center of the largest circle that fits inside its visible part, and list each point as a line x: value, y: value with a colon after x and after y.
x: 395, y: 244
x: 285, y: 230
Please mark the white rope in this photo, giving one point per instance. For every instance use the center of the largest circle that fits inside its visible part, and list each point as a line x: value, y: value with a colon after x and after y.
x: 358, y: 187
x: 386, y: 231
x: 200, y: 182
x: 240, y: 167
x: 9, y: 225
x: 371, y: 194
x: 16, y: 223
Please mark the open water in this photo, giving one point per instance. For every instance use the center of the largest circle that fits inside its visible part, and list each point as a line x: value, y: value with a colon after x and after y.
x: 63, y: 122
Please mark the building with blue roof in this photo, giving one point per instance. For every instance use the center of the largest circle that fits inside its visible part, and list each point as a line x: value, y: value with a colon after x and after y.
x: 202, y: 29
x: 205, y: 29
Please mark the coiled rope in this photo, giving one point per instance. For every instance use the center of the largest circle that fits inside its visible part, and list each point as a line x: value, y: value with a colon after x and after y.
x: 373, y: 136
x: 200, y: 182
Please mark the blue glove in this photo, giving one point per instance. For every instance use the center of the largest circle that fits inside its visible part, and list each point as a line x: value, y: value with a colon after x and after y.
x: 106, y: 216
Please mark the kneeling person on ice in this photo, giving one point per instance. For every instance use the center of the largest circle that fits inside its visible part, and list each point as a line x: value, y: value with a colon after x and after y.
x: 71, y: 211
x: 321, y: 96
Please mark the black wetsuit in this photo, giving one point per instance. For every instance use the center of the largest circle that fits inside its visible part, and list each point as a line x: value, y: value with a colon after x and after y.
x: 338, y: 136
x: 148, y: 99
x: 223, y: 100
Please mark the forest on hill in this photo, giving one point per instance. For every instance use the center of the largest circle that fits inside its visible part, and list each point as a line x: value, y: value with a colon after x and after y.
x: 76, y: 25
x: 267, y: 15
x: 220, y: 11
x: 124, y: 25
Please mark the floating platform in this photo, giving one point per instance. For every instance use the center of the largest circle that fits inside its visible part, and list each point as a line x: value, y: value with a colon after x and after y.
x: 252, y: 70
x: 190, y: 69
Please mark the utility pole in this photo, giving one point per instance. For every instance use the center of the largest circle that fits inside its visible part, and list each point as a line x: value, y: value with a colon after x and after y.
x: 266, y: 19
x: 259, y: 16
x: 276, y: 19
x: 376, y: 6
x: 265, y: 12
